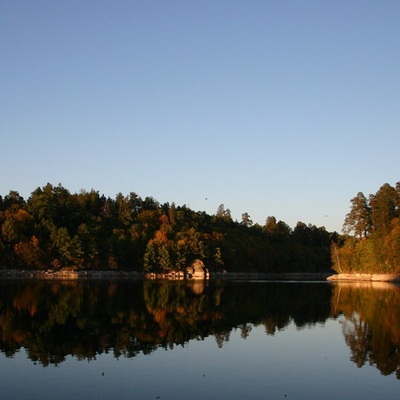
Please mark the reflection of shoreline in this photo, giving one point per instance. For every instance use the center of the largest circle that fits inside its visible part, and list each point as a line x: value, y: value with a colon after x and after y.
x: 365, y: 277
x: 376, y: 285
x: 54, y: 319
x: 371, y: 323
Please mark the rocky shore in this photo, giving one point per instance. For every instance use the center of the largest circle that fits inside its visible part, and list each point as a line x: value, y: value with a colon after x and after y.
x: 365, y: 277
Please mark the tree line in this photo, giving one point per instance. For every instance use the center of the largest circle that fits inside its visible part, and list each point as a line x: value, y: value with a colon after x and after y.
x: 54, y: 229
x: 371, y: 243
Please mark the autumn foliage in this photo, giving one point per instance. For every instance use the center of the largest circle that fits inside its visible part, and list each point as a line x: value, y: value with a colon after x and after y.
x: 373, y: 241
x: 55, y: 229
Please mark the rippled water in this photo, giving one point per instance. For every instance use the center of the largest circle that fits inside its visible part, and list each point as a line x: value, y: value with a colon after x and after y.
x: 202, y: 340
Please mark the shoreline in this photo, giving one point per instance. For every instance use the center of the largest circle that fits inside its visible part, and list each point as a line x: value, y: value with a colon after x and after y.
x: 69, y: 274
x: 357, y: 277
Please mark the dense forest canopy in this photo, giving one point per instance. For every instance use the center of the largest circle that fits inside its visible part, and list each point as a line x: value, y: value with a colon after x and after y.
x: 54, y: 229
x: 374, y: 225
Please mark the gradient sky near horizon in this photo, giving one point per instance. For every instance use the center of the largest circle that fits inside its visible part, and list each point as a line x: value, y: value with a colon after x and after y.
x: 275, y: 108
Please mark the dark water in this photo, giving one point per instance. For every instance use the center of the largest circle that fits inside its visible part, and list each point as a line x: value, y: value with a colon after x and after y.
x: 195, y: 340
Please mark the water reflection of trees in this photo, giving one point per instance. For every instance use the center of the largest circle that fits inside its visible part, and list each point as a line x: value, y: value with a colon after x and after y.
x: 52, y: 320
x: 371, y: 326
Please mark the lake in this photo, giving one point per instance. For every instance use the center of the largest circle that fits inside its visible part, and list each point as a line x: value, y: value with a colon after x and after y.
x: 199, y: 340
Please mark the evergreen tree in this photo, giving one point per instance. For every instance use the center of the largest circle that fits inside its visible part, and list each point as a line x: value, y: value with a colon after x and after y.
x: 358, y: 220
x: 246, y: 220
x: 384, y: 207
x: 374, y: 248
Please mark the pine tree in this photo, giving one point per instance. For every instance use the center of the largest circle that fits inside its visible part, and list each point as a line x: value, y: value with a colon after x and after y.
x: 358, y: 220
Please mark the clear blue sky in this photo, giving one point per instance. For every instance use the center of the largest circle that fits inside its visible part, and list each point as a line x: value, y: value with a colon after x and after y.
x: 285, y: 108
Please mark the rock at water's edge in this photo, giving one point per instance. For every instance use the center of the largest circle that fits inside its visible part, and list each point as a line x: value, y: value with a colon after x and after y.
x: 197, y: 270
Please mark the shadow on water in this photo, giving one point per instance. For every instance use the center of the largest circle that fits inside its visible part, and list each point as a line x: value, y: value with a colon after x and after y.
x: 52, y: 320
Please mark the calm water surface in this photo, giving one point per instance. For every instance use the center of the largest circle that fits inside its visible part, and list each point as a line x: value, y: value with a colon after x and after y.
x: 195, y: 340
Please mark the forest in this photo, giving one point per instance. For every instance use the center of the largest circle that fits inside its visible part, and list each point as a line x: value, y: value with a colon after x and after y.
x: 55, y: 229
x: 371, y: 243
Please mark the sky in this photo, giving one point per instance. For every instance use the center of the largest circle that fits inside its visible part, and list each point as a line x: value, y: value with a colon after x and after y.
x: 279, y: 108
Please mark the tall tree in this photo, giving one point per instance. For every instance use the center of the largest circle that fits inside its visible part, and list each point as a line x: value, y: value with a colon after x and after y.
x: 270, y: 225
x: 223, y: 214
x: 384, y: 208
x: 246, y: 220
x: 358, y: 220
